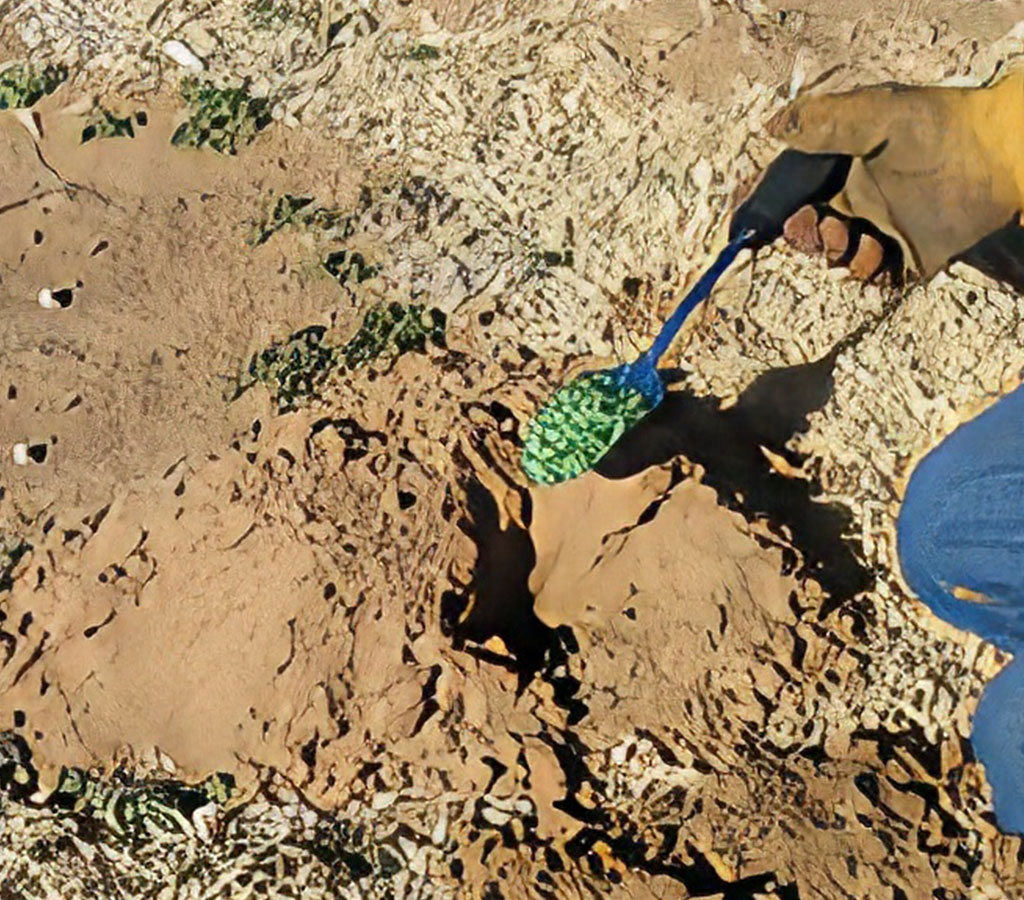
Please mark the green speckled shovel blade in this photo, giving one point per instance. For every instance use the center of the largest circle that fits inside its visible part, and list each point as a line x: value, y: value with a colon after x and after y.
x: 583, y: 420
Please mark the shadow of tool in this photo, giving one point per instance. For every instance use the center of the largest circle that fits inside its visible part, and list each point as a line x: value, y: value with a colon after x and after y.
x: 727, y: 444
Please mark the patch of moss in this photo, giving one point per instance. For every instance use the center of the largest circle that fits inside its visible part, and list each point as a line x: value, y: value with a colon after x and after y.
x: 123, y: 805
x: 423, y: 52
x: 12, y: 549
x: 22, y: 86
x: 104, y: 124
x: 268, y: 13
x: 347, y: 266
x: 137, y: 808
x: 302, y: 212
x: 295, y: 370
x: 579, y: 425
x: 222, y: 118
x: 284, y: 213
x: 391, y: 329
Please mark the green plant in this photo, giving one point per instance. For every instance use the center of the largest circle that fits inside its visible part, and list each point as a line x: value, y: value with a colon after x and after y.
x: 12, y: 549
x: 131, y: 807
x: 345, y: 265
x: 21, y: 85
x: 422, y: 52
x: 222, y: 118
x: 295, y: 369
x: 104, y: 124
x: 394, y: 329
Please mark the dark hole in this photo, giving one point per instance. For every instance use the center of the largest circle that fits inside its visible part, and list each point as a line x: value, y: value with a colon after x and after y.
x: 12, y: 393
x: 142, y: 118
x: 37, y: 237
x: 329, y: 590
x: 631, y: 286
x: 26, y: 621
x: 38, y: 452
x: 308, y: 753
x: 64, y: 297
x: 406, y: 499
x: 19, y: 718
x: 485, y: 318
x: 99, y: 248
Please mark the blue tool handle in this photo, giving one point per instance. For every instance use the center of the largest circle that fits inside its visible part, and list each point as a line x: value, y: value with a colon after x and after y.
x: 697, y: 293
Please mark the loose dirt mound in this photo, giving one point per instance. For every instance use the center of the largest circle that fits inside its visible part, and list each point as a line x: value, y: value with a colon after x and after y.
x: 321, y: 572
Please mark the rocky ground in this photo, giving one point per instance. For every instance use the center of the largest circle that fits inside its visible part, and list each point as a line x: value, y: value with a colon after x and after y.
x: 267, y: 520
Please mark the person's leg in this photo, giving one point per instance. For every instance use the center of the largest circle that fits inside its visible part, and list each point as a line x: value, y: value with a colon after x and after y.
x: 961, y: 550
x: 961, y: 527
x: 997, y: 735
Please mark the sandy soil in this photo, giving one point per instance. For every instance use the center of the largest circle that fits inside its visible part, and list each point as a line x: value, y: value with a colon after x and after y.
x: 687, y: 676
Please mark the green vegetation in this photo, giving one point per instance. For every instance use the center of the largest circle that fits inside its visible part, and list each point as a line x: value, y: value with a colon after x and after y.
x: 222, y: 118
x: 268, y: 13
x: 12, y: 549
x: 104, y: 124
x: 423, y: 52
x: 302, y: 212
x: 136, y: 808
x: 295, y: 370
x: 346, y: 266
x: 126, y: 806
x: 578, y: 426
x: 391, y: 329
x: 285, y: 212
x: 21, y: 85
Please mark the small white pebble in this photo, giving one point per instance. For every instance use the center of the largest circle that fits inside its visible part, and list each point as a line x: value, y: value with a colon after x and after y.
x: 202, y: 819
x: 181, y: 54
x: 441, y: 828
x: 495, y: 816
x: 20, y: 454
x: 46, y: 300
x: 383, y: 799
x: 702, y: 173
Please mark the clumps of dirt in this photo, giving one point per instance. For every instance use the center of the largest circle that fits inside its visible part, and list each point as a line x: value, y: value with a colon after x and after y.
x: 224, y: 119
x: 22, y: 86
